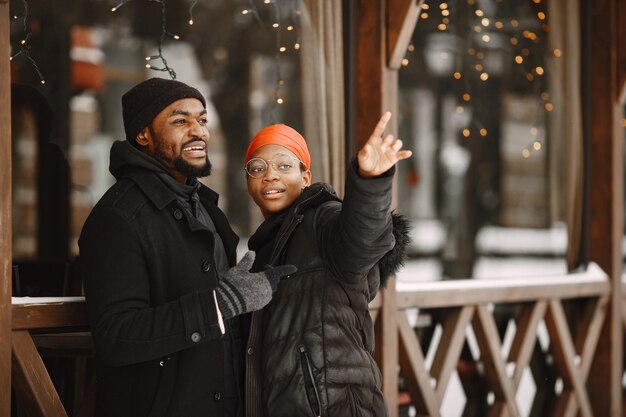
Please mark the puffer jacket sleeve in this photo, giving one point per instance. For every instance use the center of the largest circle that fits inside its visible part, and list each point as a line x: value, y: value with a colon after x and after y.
x: 354, y: 236
x: 125, y: 327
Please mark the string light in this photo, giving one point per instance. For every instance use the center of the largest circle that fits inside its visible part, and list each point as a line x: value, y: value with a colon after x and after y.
x: 193, y: 4
x: 524, y: 56
x: 25, y: 43
x: 120, y: 5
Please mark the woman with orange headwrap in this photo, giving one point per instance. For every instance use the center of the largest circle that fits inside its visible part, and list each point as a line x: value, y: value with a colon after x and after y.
x: 310, y: 350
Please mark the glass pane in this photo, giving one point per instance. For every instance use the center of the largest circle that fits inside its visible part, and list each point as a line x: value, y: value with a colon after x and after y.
x: 244, y: 56
x: 477, y: 106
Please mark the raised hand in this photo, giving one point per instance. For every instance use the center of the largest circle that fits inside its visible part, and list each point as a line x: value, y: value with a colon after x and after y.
x: 378, y: 155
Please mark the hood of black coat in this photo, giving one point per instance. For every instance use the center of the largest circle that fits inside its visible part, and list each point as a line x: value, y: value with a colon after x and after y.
x: 125, y: 156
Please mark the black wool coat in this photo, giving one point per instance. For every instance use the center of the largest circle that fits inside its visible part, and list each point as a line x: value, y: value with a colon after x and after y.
x: 149, y: 277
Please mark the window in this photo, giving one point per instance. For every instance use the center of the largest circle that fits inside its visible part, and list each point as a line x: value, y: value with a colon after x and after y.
x: 483, y: 106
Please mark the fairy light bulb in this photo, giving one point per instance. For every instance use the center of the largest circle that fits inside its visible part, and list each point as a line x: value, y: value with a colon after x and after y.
x: 296, y: 46
x: 537, y: 145
x: 539, y: 70
x: 282, y: 49
x: 245, y: 11
x: 526, y: 153
x: 483, y: 132
x: 519, y: 59
x: 424, y: 16
x: 279, y: 100
x: 190, y: 22
x: 405, y: 62
x: 533, y: 131
x: 290, y: 27
x: 457, y: 75
x: 484, y: 76
x: 466, y: 133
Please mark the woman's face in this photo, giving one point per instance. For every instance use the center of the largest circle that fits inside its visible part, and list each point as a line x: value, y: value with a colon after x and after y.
x: 277, y: 178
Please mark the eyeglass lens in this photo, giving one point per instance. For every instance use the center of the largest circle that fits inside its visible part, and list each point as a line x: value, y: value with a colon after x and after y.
x: 256, y: 167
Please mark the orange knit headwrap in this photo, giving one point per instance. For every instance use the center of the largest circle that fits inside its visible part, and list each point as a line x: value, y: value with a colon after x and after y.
x: 282, y: 135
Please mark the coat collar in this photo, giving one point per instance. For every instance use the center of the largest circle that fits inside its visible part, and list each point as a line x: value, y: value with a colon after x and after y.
x: 158, y: 193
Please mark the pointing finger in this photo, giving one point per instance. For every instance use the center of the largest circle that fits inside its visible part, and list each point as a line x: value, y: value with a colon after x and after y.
x: 382, y: 124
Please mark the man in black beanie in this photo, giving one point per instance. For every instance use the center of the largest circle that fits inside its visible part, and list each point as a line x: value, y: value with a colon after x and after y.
x: 165, y: 296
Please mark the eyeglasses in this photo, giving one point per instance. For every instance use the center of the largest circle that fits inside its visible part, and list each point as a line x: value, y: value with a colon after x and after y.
x: 282, y: 163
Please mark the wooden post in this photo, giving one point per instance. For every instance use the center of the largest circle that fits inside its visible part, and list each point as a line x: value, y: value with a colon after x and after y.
x: 621, y: 49
x: 5, y: 214
x: 605, y: 198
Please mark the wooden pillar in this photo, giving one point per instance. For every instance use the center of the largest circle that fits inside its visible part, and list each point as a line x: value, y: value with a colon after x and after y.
x: 5, y: 214
x: 605, y: 198
x: 374, y: 82
x: 621, y: 49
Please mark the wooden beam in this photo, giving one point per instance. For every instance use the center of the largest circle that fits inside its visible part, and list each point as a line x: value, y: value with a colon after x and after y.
x: 386, y: 352
x: 5, y: 213
x: 605, y: 197
x: 402, y: 15
x: 33, y: 386
x: 621, y: 49
x: 61, y: 315
x: 369, y: 68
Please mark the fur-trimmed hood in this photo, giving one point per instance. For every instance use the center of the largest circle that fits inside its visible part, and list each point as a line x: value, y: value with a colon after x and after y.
x: 393, y: 260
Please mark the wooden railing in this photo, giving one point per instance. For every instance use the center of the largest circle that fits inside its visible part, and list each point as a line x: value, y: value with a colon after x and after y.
x: 572, y: 308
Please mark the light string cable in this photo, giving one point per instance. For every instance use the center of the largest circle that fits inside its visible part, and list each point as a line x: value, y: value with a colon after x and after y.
x: 193, y: 4
x: 295, y: 12
x: 25, y: 43
x: 279, y: 49
x: 253, y: 11
x: 164, y: 32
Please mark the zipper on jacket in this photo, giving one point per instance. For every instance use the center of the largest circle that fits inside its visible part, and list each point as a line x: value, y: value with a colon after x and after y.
x: 282, y: 238
x: 309, y: 383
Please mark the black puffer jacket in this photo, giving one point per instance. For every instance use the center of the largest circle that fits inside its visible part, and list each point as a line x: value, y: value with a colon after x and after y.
x: 310, y: 350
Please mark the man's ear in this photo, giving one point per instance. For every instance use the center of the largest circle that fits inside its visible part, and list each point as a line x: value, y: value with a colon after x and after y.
x: 143, y: 137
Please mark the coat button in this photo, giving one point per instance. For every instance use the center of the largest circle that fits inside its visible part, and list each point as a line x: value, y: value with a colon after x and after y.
x: 206, y: 266
x: 250, y: 351
x: 178, y: 214
x: 195, y: 337
x: 217, y: 395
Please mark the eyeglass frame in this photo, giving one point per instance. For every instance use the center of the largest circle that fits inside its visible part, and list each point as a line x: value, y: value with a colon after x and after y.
x: 271, y: 160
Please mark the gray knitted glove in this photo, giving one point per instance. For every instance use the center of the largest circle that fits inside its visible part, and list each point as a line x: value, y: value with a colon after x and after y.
x: 240, y: 291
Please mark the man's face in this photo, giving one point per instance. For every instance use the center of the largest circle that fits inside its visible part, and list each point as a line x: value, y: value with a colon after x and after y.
x: 275, y: 191
x: 178, y: 139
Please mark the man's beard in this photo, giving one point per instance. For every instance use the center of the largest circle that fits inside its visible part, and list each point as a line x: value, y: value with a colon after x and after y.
x: 192, y: 171
x: 182, y: 166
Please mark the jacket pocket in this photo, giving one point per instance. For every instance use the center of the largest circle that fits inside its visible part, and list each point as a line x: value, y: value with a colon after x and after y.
x: 312, y: 394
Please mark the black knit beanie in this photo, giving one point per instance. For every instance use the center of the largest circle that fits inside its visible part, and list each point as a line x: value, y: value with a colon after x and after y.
x: 142, y: 103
